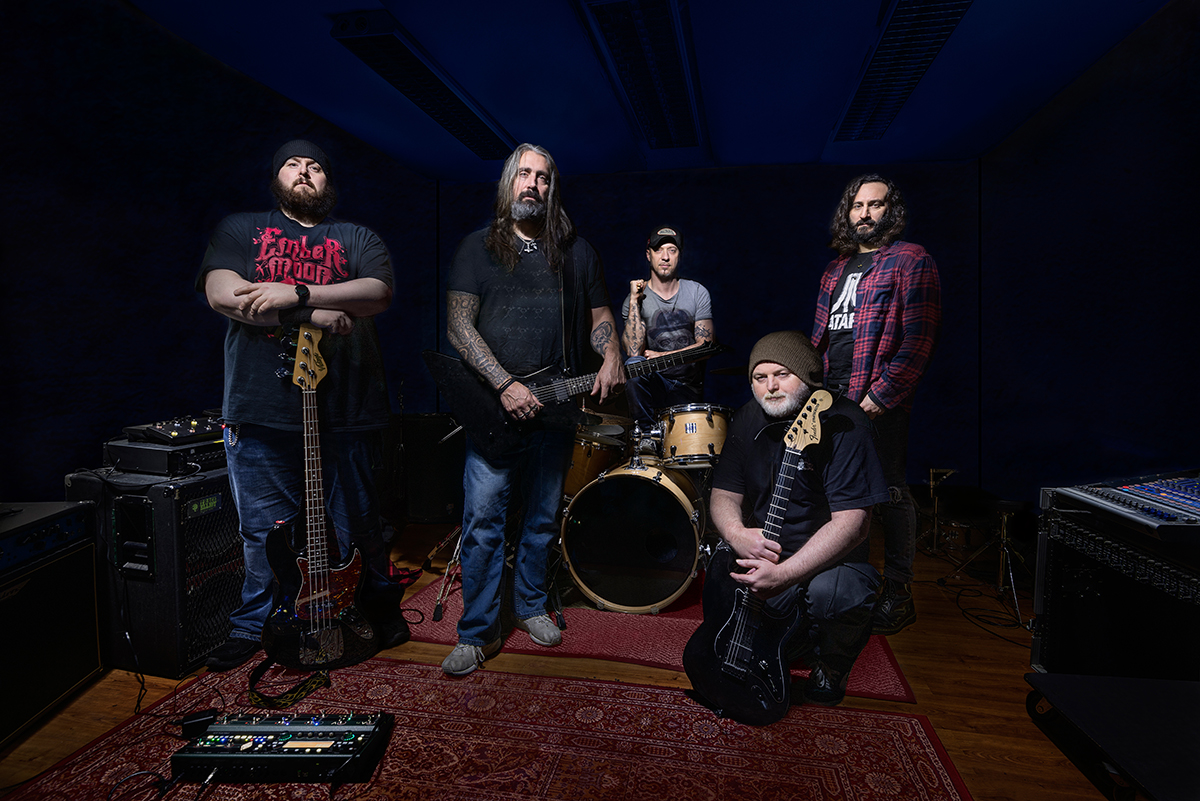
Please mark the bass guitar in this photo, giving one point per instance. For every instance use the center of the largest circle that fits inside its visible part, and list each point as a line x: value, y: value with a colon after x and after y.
x: 316, y: 623
x: 476, y: 405
x: 736, y: 658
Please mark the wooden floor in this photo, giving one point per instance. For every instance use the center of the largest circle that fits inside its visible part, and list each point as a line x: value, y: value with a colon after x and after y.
x: 965, y: 658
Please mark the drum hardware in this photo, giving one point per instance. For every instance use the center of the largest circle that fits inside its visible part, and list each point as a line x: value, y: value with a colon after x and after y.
x: 454, y: 564
x: 1005, y: 577
x: 936, y: 476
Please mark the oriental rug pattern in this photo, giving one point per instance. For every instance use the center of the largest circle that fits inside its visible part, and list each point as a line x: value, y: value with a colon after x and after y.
x: 496, y: 735
x: 650, y: 640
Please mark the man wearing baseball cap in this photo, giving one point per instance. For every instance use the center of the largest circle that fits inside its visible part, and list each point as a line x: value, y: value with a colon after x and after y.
x: 268, y: 273
x: 820, y: 561
x: 664, y: 314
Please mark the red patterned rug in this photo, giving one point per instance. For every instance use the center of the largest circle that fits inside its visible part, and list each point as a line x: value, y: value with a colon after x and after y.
x: 650, y: 640
x: 496, y: 735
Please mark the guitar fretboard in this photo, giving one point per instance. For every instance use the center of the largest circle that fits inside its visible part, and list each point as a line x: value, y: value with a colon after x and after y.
x: 567, y: 388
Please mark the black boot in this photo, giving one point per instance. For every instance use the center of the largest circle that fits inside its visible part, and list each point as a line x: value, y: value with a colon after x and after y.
x: 825, y: 686
x: 894, y: 611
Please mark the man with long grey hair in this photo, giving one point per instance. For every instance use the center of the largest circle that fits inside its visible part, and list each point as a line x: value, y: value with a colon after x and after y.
x: 525, y: 294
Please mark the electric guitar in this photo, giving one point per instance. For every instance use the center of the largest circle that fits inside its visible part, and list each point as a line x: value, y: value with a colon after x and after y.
x: 736, y: 658
x: 315, y: 623
x: 476, y: 405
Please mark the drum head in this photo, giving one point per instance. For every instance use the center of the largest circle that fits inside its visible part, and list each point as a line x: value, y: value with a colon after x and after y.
x: 630, y: 541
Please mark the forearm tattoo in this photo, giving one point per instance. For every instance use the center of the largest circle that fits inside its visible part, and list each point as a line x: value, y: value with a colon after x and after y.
x: 462, y: 310
x: 603, y: 336
x: 634, y: 337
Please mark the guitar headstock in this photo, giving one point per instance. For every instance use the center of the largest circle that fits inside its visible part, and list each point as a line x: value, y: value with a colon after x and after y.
x: 310, y: 365
x: 805, y: 430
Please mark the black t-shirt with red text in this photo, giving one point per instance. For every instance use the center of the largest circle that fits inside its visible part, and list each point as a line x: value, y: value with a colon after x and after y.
x: 271, y: 247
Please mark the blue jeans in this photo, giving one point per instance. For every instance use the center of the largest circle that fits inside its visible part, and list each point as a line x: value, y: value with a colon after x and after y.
x: 537, y: 470
x: 649, y: 394
x: 899, y: 515
x: 266, y: 474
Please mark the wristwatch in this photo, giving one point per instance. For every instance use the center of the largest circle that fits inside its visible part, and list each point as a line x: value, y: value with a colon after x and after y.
x: 302, y: 293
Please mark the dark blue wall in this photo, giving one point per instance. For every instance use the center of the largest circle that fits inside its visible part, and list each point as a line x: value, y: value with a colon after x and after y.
x: 1064, y: 353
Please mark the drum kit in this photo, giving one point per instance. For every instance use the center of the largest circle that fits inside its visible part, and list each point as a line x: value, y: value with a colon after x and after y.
x: 634, y: 523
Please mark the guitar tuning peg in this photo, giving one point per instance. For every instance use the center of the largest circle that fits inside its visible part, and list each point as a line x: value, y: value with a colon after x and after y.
x: 283, y: 372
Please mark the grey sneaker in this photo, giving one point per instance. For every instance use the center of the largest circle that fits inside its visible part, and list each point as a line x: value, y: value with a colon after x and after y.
x: 542, y: 630
x: 465, y: 658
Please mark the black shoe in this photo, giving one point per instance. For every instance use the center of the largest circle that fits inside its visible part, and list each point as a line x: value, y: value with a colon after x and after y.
x: 824, y: 686
x: 894, y: 610
x: 230, y: 654
x: 393, y: 631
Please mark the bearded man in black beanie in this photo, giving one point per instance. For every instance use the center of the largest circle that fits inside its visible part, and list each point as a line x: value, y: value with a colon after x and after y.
x: 820, y: 561
x: 269, y: 273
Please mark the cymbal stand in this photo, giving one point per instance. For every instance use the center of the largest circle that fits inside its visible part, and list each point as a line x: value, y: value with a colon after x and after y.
x: 936, y: 476
x: 452, y: 565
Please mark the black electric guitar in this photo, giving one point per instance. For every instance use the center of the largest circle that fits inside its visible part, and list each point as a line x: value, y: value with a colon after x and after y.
x: 476, y: 406
x: 736, y: 659
x: 316, y: 623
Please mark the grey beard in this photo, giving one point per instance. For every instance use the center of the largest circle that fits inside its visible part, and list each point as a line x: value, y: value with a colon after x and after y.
x: 789, y: 409
x: 528, y: 210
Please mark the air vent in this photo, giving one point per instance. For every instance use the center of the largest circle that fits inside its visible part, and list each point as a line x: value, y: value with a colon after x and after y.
x: 646, y: 48
x: 911, y: 41
x: 384, y: 46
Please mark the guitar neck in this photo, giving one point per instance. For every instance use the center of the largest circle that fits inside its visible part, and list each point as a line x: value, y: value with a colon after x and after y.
x: 314, y: 486
x: 773, y: 525
x: 580, y: 385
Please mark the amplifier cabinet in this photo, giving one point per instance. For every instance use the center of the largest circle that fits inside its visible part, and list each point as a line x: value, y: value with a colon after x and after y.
x: 48, y: 605
x: 170, y: 570
x: 1111, y: 600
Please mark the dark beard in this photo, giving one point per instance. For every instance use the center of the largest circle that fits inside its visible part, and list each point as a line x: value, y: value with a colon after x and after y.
x: 305, y: 208
x: 528, y: 209
x: 874, y: 235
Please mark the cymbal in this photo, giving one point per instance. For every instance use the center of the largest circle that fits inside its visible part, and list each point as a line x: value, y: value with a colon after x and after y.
x: 602, y: 430
x: 594, y: 418
x: 599, y: 439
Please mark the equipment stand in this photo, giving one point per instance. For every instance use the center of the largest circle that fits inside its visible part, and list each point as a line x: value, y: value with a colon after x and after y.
x: 1004, y: 577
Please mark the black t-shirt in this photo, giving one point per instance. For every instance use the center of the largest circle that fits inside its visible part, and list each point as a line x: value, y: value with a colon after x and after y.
x: 270, y: 246
x: 842, y: 304
x: 845, y: 471
x: 520, y: 313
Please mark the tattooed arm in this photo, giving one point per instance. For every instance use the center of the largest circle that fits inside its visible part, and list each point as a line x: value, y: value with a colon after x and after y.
x: 462, y: 311
x: 703, y: 331
x: 634, y: 335
x: 604, y: 342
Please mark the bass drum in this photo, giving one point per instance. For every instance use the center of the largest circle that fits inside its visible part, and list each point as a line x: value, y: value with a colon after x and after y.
x: 631, y: 537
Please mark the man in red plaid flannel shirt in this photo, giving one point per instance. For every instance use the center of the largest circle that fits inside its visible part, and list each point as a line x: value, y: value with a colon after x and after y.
x: 878, y: 314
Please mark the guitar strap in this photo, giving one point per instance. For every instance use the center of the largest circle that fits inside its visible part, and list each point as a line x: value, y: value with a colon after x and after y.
x: 569, y: 312
x: 299, y: 691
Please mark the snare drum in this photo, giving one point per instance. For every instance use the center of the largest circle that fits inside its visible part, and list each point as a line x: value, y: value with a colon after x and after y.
x: 693, y: 434
x: 631, y: 537
x: 591, y: 457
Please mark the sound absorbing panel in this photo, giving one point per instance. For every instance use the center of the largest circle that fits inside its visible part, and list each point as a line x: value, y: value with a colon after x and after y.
x: 170, y: 566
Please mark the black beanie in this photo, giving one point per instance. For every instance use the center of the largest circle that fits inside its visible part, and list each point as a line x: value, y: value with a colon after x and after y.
x: 304, y: 149
x: 794, y: 351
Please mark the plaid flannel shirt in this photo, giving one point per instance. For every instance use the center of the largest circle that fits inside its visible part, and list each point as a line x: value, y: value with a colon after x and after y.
x: 896, y: 322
